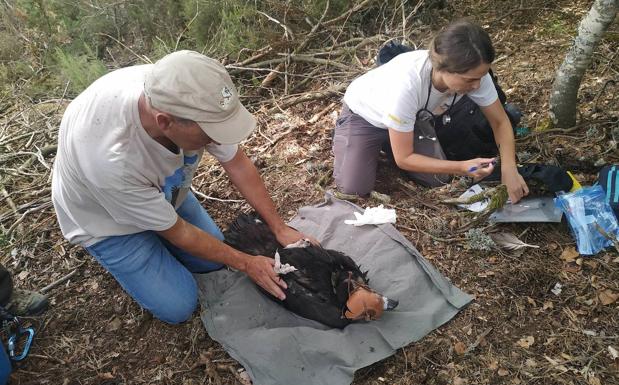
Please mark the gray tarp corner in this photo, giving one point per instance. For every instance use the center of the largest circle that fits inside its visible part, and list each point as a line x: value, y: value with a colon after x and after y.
x: 278, y: 347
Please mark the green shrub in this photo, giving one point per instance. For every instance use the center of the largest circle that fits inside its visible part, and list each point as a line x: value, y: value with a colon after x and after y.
x: 315, y: 8
x: 74, y: 36
x: 79, y: 70
x: 557, y: 26
x: 224, y: 27
x: 152, y: 21
x: 11, y: 47
x: 4, y: 242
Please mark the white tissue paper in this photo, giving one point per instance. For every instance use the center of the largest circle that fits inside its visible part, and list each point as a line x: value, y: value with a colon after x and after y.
x: 282, y: 269
x: 373, y: 216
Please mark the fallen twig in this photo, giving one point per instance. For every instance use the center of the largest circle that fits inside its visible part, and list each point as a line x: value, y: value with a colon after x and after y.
x: 312, y: 96
x: 535, y: 134
x: 61, y: 280
x: 346, y: 15
x: 204, y: 196
x: 261, y: 53
x: 434, y: 237
x: 409, y: 191
x: 345, y: 197
x: 478, y: 340
x: 605, y: 234
x: 23, y: 216
x: 271, y: 76
x: 321, y: 113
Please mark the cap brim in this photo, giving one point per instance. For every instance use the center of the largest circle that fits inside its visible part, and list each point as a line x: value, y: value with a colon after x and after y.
x: 232, y: 130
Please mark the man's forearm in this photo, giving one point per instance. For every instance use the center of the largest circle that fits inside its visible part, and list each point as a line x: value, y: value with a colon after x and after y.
x: 201, y: 244
x: 247, y: 180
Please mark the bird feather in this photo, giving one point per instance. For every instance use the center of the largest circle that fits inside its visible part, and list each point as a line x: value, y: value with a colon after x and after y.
x: 509, y: 241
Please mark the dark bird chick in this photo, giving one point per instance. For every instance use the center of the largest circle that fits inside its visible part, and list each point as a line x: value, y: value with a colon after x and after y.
x: 326, y: 285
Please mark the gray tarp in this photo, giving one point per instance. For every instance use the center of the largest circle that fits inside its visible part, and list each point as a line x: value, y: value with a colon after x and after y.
x: 277, y: 347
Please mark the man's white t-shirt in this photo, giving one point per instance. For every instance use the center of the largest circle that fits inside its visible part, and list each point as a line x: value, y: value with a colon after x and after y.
x: 390, y: 95
x: 110, y: 177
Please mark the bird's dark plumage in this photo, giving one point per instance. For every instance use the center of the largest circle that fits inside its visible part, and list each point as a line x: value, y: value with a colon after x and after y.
x: 324, y: 279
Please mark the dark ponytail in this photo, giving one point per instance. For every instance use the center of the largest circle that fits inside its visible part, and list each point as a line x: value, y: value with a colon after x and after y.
x: 461, y: 47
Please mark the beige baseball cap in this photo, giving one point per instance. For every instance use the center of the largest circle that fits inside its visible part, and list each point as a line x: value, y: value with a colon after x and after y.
x: 192, y: 86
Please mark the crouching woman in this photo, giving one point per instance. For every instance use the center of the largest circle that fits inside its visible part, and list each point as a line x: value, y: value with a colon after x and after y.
x: 398, y: 102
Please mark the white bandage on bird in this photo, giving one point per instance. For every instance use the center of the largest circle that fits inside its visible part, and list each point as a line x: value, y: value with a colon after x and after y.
x: 282, y: 269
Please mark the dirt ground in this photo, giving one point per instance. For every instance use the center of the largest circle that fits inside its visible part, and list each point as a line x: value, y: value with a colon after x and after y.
x: 516, y: 331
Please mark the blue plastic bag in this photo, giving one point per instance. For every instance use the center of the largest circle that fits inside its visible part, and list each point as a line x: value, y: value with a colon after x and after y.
x: 609, y: 181
x: 584, y: 208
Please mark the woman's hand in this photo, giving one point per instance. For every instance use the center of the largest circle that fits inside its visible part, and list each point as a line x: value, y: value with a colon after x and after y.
x: 260, y: 270
x: 516, y: 186
x: 478, y: 168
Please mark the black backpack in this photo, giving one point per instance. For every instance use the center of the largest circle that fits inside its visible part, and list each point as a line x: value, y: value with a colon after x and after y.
x: 543, y: 179
x: 468, y: 135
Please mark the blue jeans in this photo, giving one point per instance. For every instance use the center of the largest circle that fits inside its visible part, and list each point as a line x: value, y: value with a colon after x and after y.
x: 156, y: 273
x: 5, y: 365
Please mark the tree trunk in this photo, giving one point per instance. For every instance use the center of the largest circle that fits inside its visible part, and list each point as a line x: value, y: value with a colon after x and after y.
x: 578, y: 59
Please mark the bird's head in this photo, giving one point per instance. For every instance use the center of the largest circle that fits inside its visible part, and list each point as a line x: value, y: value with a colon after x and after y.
x: 366, y: 304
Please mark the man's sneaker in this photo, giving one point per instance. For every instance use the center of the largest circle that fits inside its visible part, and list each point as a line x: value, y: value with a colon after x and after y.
x: 27, y: 303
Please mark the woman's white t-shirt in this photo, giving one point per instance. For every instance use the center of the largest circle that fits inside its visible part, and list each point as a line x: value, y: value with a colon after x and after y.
x: 389, y: 96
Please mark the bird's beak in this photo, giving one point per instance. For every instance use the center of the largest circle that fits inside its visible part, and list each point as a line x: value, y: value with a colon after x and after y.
x: 389, y: 304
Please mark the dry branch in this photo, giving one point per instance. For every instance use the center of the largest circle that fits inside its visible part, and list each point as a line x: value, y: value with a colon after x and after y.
x: 294, y: 57
x: 43, y: 206
x: 270, y: 77
x: 346, y: 15
x: 61, y: 280
x: 312, y: 96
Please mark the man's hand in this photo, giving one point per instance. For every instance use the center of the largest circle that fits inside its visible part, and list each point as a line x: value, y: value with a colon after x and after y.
x: 245, y: 177
x: 286, y: 235
x: 516, y: 186
x: 260, y: 270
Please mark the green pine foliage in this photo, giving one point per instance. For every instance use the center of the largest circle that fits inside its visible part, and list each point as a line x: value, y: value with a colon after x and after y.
x: 78, y: 70
x: 315, y: 8
x: 223, y: 27
x: 46, y: 43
